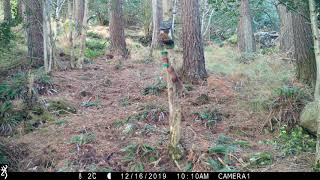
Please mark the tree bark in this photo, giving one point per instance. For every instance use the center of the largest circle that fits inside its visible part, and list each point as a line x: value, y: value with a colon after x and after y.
x: 175, y: 88
x: 167, y: 9
x: 286, y: 30
x: 246, y: 41
x: 118, y: 43
x: 303, y: 46
x: 83, y: 34
x: 34, y: 31
x: 316, y: 40
x: 193, y: 68
x: 157, y: 18
x: 71, y: 32
x: 7, y: 11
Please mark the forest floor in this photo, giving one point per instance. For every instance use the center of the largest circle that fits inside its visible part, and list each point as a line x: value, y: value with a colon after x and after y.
x: 121, y: 122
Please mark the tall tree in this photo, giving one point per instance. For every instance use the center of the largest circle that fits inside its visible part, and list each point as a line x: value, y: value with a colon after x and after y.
x: 7, y: 11
x: 316, y: 40
x: 83, y: 34
x: 246, y: 41
x: 303, y: 44
x: 76, y: 18
x: 157, y: 18
x: 34, y: 31
x: 118, y: 43
x: 193, y: 68
x: 286, y: 30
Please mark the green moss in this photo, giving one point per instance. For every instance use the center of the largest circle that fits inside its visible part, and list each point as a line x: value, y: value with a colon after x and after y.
x: 61, y: 107
x: 176, y: 153
x: 261, y: 159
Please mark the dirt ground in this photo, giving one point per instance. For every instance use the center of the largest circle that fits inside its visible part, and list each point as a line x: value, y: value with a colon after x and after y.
x: 50, y: 147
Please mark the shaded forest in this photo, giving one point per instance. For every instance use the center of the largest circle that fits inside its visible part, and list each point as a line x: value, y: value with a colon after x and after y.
x: 160, y: 85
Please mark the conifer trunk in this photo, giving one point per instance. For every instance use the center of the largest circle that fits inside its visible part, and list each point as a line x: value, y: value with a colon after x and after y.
x: 246, y: 41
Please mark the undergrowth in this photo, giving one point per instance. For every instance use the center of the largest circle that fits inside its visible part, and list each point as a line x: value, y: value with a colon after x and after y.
x: 286, y: 104
x: 209, y: 117
x: 219, y: 155
x: 19, y: 101
x: 136, y: 155
x: 149, y: 113
x: 294, y: 141
x: 156, y: 88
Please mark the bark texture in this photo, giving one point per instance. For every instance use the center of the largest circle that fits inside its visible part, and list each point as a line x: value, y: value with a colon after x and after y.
x: 246, y: 41
x: 156, y: 20
x: 83, y: 35
x: 167, y: 9
x: 193, y: 68
x: 118, y: 43
x: 303, y: 47
x: 175, y: 88
x: 286, y: 30
x: 34, y: 31
x: 316, y: 40
x: 7, y: 11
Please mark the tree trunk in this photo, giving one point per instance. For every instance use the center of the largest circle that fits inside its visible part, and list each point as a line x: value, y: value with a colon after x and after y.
x: 286, y: 30
x: 246, y: 41
x: 83, y: 34
x: 157, y: 18
x: 48, y: 40
x: 175, y: 88
x: 71, y: 32
x: 303, y: 46
x: 193, y: 68
x: 167, y: 9
x: 7, y: 11
x: 20, y: 8
x: 79, y: 15
x: 118, y: 43
x: 34, y: 31
x: 316, y: 40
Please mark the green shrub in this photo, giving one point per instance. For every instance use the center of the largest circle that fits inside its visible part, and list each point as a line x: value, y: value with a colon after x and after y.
x: 261, y: 159
x: 18, y: 104
x: 224, y: 146
x: 143, y: 153
x: 233, y: 39
x: 209, y: 116
x: 95, y: 44
x: 61, y: 107
x: 94, y: 35
x: 84, y: 138
x: 95, y: 48
x: 286, y: 103
x: 296, y: 141
x: 155, y: 88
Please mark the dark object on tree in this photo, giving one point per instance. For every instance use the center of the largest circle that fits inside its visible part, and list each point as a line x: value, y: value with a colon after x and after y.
x: 165, y: 34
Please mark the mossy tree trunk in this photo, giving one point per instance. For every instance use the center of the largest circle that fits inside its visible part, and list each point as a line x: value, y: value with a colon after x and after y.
x: 316, y: 40
x: 175, y: 87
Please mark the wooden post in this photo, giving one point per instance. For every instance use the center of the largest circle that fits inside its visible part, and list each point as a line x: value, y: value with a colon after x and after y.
x: 174, y: 96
